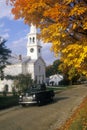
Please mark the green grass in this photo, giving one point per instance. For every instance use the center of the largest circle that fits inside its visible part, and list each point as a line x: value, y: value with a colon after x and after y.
x: 58, y: 88
x: 78, y: 120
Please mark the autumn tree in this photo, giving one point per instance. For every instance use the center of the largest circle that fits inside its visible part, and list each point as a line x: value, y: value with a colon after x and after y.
x: 70, y: 74
x: 61, y: 22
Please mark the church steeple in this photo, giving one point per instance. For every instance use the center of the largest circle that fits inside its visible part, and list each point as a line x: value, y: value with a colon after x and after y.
x: 33, y: 29
x: 33, y: 45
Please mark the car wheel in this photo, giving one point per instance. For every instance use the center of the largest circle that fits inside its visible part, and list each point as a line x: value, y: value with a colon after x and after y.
x: 39, y: 102
x: 23, y: 105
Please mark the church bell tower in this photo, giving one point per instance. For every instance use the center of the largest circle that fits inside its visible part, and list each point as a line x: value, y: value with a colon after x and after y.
x: 33, y: 44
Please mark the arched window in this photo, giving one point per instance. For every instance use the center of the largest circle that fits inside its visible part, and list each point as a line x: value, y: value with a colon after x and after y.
x: 39, y: 68
x: 6, y: 88
x: 30, y: 39
x: 39, y: 50
x: 33, y: 39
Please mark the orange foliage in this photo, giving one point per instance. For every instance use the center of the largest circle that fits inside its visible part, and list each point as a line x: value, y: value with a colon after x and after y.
x: 62, y: 22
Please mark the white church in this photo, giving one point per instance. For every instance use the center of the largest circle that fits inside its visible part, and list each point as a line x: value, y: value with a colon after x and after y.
x: 33, y: 63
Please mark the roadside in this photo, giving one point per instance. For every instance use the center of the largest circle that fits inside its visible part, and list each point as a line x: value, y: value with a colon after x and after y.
x: 5, y: 111
x: 48, y: 117
x: 78, y: 120
x: 76, y: 95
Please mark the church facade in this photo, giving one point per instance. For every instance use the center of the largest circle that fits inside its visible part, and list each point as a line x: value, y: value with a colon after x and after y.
x: 33, y: 63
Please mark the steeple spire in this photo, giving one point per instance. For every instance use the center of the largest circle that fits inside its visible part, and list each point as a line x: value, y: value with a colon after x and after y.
x: 33, y: 29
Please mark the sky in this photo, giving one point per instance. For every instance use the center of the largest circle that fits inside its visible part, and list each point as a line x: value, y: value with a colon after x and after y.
x: 15, y: 32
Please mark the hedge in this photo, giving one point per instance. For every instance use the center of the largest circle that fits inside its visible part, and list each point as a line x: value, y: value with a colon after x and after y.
x: 8, y: 101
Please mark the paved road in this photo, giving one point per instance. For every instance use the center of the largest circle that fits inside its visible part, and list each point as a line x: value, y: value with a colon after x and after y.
x: 48, y: 117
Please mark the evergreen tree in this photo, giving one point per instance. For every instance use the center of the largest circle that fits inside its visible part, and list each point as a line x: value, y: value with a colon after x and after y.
x: 4, y: 55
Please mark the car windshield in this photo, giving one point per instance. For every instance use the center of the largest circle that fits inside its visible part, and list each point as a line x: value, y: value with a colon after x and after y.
x: 33, y: 89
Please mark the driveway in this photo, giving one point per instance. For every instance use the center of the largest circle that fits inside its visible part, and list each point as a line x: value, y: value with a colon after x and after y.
x: 48, y: 117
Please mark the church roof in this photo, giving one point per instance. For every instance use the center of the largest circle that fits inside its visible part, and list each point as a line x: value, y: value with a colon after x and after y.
x: 19, y: 59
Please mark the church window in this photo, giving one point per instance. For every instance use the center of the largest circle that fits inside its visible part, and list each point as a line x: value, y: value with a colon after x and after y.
x: 30, y: 39
x: 43, y: 77
x: 36, y: 78
x: 6, y: 88
x: 39, y: 68
x: 39, y: 50
x: 33, y: 39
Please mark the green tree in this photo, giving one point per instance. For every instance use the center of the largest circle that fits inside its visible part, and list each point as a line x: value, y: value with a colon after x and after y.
x: 23, y: 82
x: 56, y: 65
x: 53, y: 69
x: 49, y: 70
x: 4, y: 55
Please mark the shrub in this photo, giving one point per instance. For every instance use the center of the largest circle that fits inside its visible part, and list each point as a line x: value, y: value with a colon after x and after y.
x: 64, y: 82
x: 8, y: 101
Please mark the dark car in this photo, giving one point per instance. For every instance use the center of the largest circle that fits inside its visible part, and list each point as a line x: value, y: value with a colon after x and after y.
x: 38, y: 95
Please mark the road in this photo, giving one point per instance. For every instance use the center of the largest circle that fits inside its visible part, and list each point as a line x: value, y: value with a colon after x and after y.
x: 48, y: 117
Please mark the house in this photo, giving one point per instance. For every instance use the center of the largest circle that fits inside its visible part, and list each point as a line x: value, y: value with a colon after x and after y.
x: 55, y: 79
x: 32, y: 63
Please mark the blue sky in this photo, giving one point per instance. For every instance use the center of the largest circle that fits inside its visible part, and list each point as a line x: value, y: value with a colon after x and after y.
x: 15, y: 31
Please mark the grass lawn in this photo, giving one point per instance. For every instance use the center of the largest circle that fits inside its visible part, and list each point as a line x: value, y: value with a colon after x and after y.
x: 59, y: 88
x: 78, y: 120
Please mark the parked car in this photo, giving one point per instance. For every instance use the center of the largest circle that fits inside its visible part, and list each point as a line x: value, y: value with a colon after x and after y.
x: 36, y: 95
